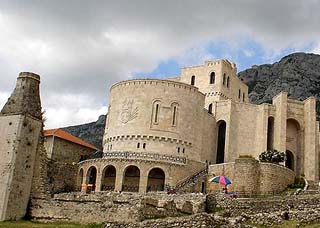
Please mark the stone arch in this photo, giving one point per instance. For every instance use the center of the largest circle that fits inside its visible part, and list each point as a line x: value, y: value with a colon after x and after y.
x: 212, y: 77
x: 131, y: 179
x: 193, y: 80
x: 108, y: 178
x: 289, y: 163
x: 79, y: 179
x: 222, y: 126
x: 293, y: 144
x: 91, y: 178
x: 156, y: 180
x: 270, y: 133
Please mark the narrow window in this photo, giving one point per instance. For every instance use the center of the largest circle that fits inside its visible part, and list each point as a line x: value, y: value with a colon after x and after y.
x: 239, y: 94
x: 174, y: 116
x: 111, y: 147
x: 210, y: 109
x: 228, y: 82
x: 212, y: 78
x: 138, y: 145
x: 178, y: 149
x: 144, y: 146
x: 156, y: 113
x: 243, y: 97
x: 224, y: 79
x: 193, y: 80
x: 183, y: 150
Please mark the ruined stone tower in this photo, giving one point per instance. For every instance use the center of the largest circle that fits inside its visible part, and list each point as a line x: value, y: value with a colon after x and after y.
x: 20, y: 130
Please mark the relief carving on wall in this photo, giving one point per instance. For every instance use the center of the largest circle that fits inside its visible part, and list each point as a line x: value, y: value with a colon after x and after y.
x: 129, y: 111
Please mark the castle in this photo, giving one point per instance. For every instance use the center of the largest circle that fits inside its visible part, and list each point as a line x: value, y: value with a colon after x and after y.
x: 171, y: 134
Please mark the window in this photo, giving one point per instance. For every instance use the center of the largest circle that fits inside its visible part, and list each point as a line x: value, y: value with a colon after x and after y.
x: 243, y: 97
x: 183, y: 150
x: 224, y: 79
x: 155, y: 112
x: 210, y: 109
x: 239, y: 95
x: 144, y: 145
x: 178, y: 149
x: 174, y: 108
x: 193, y: 80
x: 138, y: 145
x: 228, y: 82
x: 212, y: 78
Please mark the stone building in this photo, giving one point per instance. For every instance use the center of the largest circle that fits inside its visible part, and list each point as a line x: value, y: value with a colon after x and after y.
x: 168, y: 133
x: 21, y: 128
x: 64, y: 151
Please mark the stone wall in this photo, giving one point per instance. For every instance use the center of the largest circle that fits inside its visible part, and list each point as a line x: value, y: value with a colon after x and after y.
x: 21, y: 126
x: 269, y: 211
x: 250, y: 177
x: 62, y: 177
x: 115, y: 207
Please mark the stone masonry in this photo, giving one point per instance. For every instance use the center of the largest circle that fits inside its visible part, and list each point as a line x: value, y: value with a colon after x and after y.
x: 21, y: 126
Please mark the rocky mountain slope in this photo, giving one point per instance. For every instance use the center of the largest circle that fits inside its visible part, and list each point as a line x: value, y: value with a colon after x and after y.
x: 90, y: 132
x: 298, y: 74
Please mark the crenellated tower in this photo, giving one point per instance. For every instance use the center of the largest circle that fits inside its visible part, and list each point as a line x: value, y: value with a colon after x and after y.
x: 218, y: 80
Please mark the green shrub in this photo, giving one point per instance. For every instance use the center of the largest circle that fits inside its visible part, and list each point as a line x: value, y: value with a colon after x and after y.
x: 272, y: 156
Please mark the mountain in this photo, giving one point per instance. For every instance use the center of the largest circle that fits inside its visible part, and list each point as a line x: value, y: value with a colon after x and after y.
x: 90, y: 132
x: 298, y: 74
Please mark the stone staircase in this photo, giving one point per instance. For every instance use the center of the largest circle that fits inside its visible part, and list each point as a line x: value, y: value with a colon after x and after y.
x: 190, y: 181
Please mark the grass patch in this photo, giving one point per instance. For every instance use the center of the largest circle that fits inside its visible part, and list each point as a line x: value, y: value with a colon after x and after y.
x: 288, y: 224
x: 30, y: 224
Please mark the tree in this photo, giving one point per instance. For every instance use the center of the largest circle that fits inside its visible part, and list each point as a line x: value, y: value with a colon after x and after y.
x: 272, y: 156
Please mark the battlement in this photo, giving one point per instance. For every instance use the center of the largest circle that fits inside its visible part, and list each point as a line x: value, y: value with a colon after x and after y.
x: 29, y: 75
x: 25, y: 98
x: 155, y: 82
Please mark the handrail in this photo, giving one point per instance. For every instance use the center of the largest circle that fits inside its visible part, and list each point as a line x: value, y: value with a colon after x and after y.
x: 147, y: 156
x: 191, y: 179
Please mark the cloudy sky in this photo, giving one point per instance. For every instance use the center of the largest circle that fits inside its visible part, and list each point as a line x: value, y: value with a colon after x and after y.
x: 80, y: 47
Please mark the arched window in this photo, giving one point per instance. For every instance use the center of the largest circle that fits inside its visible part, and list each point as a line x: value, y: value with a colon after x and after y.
x: 212, y: 78
x: 174, y: 108
x: 289, y: 163
x: 210, y: 109
x: 155, y: 112
x: 239, y: 95
x: 228, y: 82
x: 108, y: 178
x: 91, y: 179
x: 243, y: 95
x: 131, y: 179
x: 156, y: 180
x: 224, y: 79
x: 144, y: 146
x: 221, y: 141
x: 193, y: 80
x: 138, y: 145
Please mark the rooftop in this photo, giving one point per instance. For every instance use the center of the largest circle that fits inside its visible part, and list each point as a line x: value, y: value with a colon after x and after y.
x: 66, y: 136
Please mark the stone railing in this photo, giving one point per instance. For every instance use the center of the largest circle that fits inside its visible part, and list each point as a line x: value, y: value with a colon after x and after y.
x: 145, y: 156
